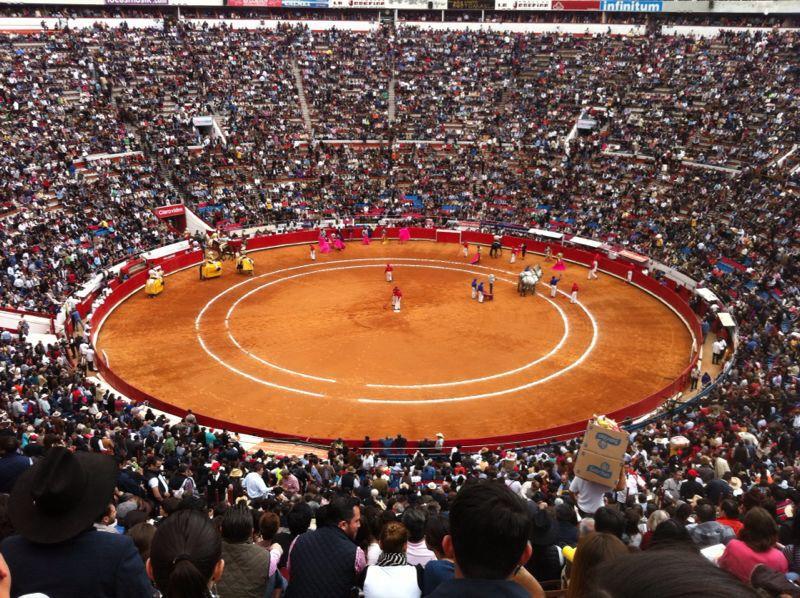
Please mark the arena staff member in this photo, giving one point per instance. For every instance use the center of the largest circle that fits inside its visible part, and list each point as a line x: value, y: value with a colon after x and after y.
x: 589, y: 495
x: 397, y: 297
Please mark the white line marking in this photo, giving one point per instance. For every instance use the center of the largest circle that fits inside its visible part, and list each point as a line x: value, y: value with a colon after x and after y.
x: 501, y: 374
x: 508, y: 390
x: 272, y: 365
x: 235, y: 304
x: 382, y: 260
x: 253, y: 378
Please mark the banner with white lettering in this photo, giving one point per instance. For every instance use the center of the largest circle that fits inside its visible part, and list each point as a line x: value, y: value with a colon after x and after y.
x: 169, y: 211
x: 522, y: 4
x: 632, y: 5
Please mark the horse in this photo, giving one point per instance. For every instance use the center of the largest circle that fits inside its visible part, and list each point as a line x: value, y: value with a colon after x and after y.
x: 528, y: 280
x: 221, y: 250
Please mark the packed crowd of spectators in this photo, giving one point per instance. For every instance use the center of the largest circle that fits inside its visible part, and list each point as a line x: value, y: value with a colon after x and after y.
x: 389, y: 516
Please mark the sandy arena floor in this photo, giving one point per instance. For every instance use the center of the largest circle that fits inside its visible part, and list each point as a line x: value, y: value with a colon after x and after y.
x: 314, y: 349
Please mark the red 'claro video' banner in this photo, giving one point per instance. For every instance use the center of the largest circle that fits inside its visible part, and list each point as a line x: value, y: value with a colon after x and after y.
x: 575, y: 5
x: 169, y: 211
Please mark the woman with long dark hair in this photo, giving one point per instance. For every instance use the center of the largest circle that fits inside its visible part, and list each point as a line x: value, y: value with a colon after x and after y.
x: 186, y: 556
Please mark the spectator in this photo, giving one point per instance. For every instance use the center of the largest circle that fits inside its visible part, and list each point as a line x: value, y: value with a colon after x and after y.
x: 185, y: 556
x: 253, y: 483
x: 730, y: 516
x: 418, y: 553
x: 489, y: 531
x: 590, y: 496
x: 392, y: 576
x: 247, y: 567
x: 667, y: 574
x: 442, y: 568
x: 653, y: 521
x: 52, y: 507
x: 12, y: 463
x: 325, y: 562
x: 756, y: 545
x: 142, y: 536
x: 707, y: 531
x: 546, y: 560
x: 593, y: 550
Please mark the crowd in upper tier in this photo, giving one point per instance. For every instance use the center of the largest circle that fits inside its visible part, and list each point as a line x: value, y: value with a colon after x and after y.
x: 689, y: 158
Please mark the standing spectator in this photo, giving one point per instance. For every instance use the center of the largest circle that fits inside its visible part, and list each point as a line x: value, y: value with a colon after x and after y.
x: 417, y: 553
x: 57, y: 551
x: 756, y: 545
x: 325, y: 563
x: 590, y: 496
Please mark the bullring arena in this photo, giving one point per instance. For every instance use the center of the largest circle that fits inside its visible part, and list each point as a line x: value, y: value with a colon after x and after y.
x: 313, y: 350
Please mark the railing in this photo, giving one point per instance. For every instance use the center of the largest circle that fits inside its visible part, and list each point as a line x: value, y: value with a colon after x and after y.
x: 667, y: 292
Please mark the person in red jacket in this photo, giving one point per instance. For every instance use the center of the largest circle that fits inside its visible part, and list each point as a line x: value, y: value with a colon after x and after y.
x: 388, y: 271
x: 397, y: 297
x: 573, y: 296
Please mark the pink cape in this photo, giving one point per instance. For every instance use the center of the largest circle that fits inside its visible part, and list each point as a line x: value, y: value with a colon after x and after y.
x: 404, y: 235
x: 324, y: 246
x: 475, y: 259
x: 560, y: 267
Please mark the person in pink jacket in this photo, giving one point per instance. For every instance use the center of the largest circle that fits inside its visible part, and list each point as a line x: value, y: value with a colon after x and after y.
x: 755, y: 546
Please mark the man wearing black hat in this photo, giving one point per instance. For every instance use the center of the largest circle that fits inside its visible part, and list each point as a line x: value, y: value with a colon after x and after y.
x: 58, y: 552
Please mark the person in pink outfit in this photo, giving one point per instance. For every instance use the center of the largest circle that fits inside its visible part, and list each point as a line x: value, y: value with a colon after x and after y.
x: 364, y: 236
x: 755, y: 546
x: 338, y: 244
x: 404, y: 235
x: 324, y: 246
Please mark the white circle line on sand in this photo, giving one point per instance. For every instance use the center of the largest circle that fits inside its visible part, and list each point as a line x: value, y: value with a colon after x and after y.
x: 387, y: 401
x: 253, y: 378
x: 564, y: 370
x: 273, y: 365
x: 315, y: 263
x: 235, y: 304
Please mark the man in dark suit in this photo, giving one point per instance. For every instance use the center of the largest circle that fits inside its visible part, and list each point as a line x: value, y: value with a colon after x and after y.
x: 53, y: 507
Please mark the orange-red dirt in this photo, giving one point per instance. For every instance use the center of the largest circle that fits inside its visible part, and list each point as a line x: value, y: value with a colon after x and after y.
x: 326, y: 329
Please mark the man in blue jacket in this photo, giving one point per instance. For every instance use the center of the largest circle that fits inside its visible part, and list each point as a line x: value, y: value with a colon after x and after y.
x: 53, y: 507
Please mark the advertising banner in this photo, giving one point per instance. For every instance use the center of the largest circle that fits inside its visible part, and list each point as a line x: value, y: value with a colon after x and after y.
x: 522, y: 4
x: 575, y: 5
x: 169, y: 211
x: 137, y: 2
x: 632, y: 5
x: 280, y: 3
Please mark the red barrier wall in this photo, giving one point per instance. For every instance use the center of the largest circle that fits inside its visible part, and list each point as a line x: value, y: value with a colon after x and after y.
x: 620, y: 268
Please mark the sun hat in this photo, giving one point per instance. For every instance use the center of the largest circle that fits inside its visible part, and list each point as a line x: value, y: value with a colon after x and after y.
x: 62, y: 495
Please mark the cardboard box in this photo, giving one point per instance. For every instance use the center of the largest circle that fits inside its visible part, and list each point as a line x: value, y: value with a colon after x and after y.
x: 597, y: 468
x: 605, y: 442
